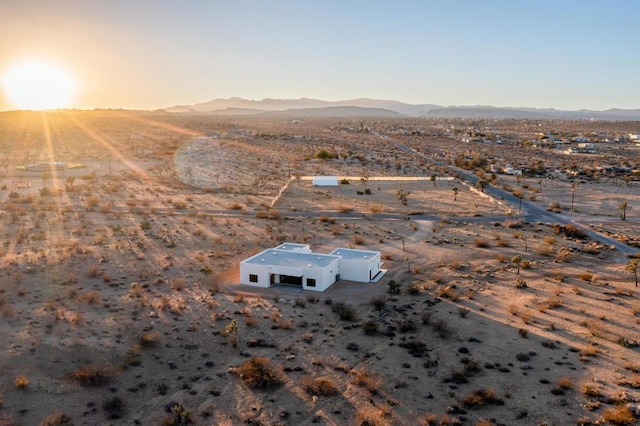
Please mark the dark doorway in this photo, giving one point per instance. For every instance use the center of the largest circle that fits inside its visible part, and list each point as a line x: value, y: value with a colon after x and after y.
x: 288, y: 279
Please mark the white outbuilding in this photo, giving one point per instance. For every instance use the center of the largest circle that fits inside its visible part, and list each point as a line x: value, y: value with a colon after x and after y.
x: 296, y: 265
x: 358, y: 265
x: 325, y: 181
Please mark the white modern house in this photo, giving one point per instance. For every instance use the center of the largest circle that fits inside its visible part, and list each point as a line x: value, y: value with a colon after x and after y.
x: 325, y: 181
x: 296, y: 265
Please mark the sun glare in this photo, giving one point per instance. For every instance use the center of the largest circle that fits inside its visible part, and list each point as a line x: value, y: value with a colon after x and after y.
x: 38, y: 86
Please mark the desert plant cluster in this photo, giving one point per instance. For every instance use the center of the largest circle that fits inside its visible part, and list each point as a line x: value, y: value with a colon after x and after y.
x: 119, y: 294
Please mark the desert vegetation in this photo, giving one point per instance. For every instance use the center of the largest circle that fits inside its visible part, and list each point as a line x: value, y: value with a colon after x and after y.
x: 119, y: 298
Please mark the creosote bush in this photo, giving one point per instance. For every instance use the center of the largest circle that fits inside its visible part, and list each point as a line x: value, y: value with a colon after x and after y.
x: 93, y: 375
x: 346, y: 311
x: 320, y: 386
x: 259, y: 373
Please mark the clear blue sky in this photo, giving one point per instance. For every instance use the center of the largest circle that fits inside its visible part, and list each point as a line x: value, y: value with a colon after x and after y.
x: 567, y: 54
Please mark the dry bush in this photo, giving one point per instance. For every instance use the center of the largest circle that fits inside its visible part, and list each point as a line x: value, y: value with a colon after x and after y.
x: 259, y: 373
x: 178, y: 284
x: 93, y: 375
x: 358, y: 239
x: 235, y: 206
x: 619, y: 415
x: 93, y: 271
x: 366, y: 379
x: 149, y: 340
x: 370, y: 416
x: 481, y: 398
x: 327, y: 219
x: 448, y: 293
x: 92, y: 297
x: 58, y: 418
x: 321, y: 386
x: 585, y: 276
x: 379, y: 302
x: 345, y: 209
x: 481, y: 243
x: 591, y: 390
x: 21, y: 382
x: 551, y: 303
x: 346, y: 311
x: 564, y: 383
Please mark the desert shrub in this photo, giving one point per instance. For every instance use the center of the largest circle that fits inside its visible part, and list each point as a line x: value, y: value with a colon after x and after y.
x: 585, y: 276
x: 413, y: 289
x: 149, y: 340
x: 93, y: 375
x: 312, y: 298
x: 564, y: 383
x: 58, y: 418
x: 481, y: 243
x: 442, y: 328
x: 93, y: 271
x: 235, y: 206
x: 554, y: 207
x: 300, y: 303
x: 320, y: 386
x: 179, y: 205
x: 259, y: 373
x: 406, y: 326
x: 591, y: 390
x: 448, y: 293
x: 178, y: 415
x: 462, y: 311
x: 21, y: 382
x: 370, y: 327
x: 346, y: 311
x: 178, y: 284
x: 379, y: 302
x: 327, y: 219
x: 619, y: 415
x: 394, y: 287
x: 366, y: 379
x: 114, y: 407
x: 344, y: 181
x: 90, y: 297
x: 480, y: 398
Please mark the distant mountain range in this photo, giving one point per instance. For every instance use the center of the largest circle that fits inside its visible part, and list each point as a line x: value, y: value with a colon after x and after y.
x: 364, y: 107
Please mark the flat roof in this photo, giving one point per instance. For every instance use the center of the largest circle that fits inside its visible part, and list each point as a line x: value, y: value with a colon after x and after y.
x: 354, y: 253
x: 291, y: 258
x: 292, y: 246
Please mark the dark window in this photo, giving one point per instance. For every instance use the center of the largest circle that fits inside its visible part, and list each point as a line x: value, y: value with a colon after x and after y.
x: 253, y: 278
x: 311, y: 282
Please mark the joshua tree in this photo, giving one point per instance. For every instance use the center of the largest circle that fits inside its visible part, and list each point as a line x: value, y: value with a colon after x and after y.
x: 433, y: 179
x: 517, y: 260
x: 482, y: 184
x: 632, y: 267
x: 623, y: 210
x: 455, y: 193
x: 403, y: 196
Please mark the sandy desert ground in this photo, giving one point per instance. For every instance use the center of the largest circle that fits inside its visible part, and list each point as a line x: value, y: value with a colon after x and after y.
x: 119, y: 300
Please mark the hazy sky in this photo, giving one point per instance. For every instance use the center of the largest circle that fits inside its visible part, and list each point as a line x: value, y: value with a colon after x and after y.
x: 567, y: 54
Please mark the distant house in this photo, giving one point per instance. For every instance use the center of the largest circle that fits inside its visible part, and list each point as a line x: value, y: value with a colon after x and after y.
x: 325, y: 181
x: 296, y: 265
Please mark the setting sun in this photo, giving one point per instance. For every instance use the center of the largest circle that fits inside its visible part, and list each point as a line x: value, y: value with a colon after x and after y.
x: 38, y: 86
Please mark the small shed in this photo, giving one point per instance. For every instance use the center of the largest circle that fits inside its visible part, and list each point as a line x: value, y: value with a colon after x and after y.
x: 325, y: 181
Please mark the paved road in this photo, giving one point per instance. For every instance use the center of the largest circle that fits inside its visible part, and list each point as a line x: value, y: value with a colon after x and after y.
x: 531, y: 212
